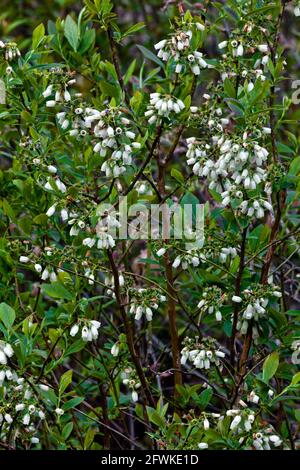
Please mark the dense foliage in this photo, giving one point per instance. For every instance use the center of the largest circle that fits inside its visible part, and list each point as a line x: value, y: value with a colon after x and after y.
x: 139, y: 342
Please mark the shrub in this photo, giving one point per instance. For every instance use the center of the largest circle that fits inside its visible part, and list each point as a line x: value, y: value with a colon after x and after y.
x: 149, y: 340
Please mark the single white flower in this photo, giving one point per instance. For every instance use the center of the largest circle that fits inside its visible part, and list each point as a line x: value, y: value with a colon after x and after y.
x: 20, y: 407
x: 8, y: 418
x: 223, y: 44
x: 3, y: 358
x: 115, y: 350
x: 67, y: 95
x: 64, y: 215
x: 48, y: 91
x: 263, y: 48
x: 203, y: 445
x: 26, y: 419
x: 237, y: 299
x: 8, y: 350
x: 51, y: 103
x: 51, y: 210
x: 23, y: 259
x: 161, y: 252
x: 74, y: 330
x: 160, y: 44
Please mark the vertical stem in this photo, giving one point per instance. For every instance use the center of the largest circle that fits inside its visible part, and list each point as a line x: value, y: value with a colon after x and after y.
x: 128, y: 332
x: 170, y: 287
x: 280, y: 196
x: 172, y: 324
x: 238, y: 292
x: 116, y: 62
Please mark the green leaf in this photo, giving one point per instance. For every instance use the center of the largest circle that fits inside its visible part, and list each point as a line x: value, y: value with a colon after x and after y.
x: 71, y: 32
x: 149, y: 55
x: 295, y: 313
x: 8, y: 210
x: 235, y: 106
x: 283, y: 148
x: 155, y: 418
x: 133, y: 29
x: 205, y: 397
x: 272, y: 7
x: 68, y: 428
x: 108, y: 89
x: 136, y: 101
x: 229, y: 88
x: 235, y: 265
x: 75, y: 347
x: 177, y: 175
x: 89, y: 438
x: 57, y: 291
x: 270, y: 366
x: 65, y: 380
x: 38, y: 35
x: 297, y: 415
x: 129, y: 72
x: 72, y: 403
x: 296, y: 379
x: 295, y: 167
x: 7, y: 315
x: 87, y: 40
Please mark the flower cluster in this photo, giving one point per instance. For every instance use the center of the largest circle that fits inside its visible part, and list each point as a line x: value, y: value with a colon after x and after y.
x: 89, y: 330
x: 102, y: 236
x: 163, y: 106
x: 205, y: 251
x: 210, y: 120
x: 239, y: 167
x: 6, y: 351
x: 72, y: 119
x: 46, y: 271
x: 115, y: 138
x: 129, y: 379
x: 203, y: 353
x: 212, y: 300
x: 90, y: 276
x: 215, y: 249
x: 253, y: 397
x: 179, y: 48
x: 242, y: 161
x: 254, y: 302
x: 55, y: 185
x: 77, y: 225
x: 237, y: 47
x: 198, y: 155
x: 110, y: 284
x: 242, y: 420
x: 265, y: 439
x: 227, y: 253
x: 105, y: 232
x: 10, y: 50
x: 190, y: 257
x: 144, y: 301
x: 20, y: 409
x: 255, y: 207
x: 57, y: 92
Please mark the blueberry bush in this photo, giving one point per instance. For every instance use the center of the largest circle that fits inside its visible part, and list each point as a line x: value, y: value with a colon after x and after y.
x: 138, y: 341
